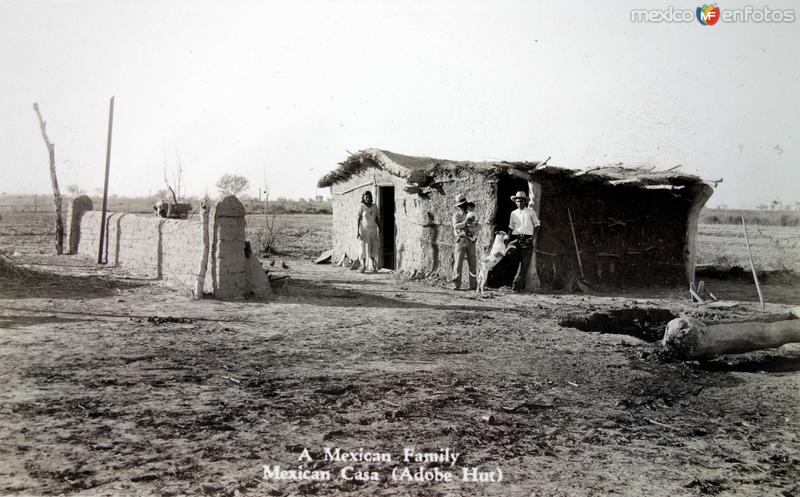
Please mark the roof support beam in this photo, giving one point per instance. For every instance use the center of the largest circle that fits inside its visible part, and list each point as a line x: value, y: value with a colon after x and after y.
x: 520, y: 174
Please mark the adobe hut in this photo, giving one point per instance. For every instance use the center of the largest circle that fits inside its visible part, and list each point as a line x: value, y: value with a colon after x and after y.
x: 633, y: 226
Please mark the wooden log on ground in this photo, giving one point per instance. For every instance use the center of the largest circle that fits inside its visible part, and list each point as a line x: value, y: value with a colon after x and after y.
x: 690, y: 339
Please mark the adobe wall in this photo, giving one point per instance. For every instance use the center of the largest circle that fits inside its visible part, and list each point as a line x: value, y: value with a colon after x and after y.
x: 424, y: 230
x: 188, y: 254
x: 181, y: 251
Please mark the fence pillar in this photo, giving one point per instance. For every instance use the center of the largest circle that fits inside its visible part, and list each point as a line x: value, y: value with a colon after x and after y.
x: 77, y: 207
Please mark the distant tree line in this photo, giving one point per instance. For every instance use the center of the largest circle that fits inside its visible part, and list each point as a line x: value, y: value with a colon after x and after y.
x: 10, y: 203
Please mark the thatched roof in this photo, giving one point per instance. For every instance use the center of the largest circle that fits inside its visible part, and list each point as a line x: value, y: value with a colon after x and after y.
x: 421, y: 170
x: 640, y: 176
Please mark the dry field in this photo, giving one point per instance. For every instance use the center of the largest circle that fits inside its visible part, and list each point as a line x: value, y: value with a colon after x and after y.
x: 114, y: 385
x: 774, y: 248
x: 776, y: 256
x: 298, y: 235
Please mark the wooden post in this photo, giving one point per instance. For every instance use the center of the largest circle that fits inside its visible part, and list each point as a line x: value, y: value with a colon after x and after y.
x: 200, y: 283
x: 575, y: 240
x: 532, y: 281
x: 699, y: 198
x: 100, y: 259
x: 51, y: 152
x: 752, y: 266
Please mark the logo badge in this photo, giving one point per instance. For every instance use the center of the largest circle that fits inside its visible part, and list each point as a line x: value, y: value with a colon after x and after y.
x: 708, y: 15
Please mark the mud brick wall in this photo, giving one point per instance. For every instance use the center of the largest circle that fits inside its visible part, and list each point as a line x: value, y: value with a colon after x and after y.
x: 173, y: 249
x: 89, y: 235
x: 134, y: 242
x: 181, y: 251
x: 424, y: 235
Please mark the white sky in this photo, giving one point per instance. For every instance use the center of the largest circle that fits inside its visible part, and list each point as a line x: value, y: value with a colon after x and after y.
x: 239, y: 87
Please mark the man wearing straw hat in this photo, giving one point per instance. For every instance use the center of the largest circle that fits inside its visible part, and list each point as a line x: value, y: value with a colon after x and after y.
x: 463, y: 228
x: 522, y: 226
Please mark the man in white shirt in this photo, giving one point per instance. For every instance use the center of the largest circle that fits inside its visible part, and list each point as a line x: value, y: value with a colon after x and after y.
x: 522, y: 226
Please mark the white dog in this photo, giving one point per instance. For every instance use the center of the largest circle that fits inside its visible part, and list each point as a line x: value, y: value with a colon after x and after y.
x: 496, y: 253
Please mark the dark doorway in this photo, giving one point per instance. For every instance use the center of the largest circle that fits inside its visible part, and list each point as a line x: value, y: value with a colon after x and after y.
x: 386, y: 205
x: 507, y: 186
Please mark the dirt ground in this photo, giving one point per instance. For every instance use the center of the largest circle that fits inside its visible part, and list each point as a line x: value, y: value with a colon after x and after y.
x: 113, y: 385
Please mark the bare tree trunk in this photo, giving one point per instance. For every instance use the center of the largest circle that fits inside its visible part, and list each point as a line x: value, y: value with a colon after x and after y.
x: 51, y: 150
x: 166, y: 182
x: 179, y: 180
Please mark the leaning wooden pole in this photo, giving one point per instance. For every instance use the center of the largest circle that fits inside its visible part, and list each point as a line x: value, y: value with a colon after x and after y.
x: 752, y: 266
x: 51, y: 151
x: 575, y: 240
x: 100, y: 251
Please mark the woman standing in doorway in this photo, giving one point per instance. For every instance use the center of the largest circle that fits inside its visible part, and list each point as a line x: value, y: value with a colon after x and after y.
x: 368, y: 221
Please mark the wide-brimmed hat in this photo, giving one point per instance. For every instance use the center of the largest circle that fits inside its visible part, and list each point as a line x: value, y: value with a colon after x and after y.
x: 461, y: 199
x: 520, y: 194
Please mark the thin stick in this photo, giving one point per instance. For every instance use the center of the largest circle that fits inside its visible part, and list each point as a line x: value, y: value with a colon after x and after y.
x: 653, y: 421
x: 574, y: 239
x: 100, y: 254
x: 695, y: 295
x: 355, y: 188
x: 752, y: 266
